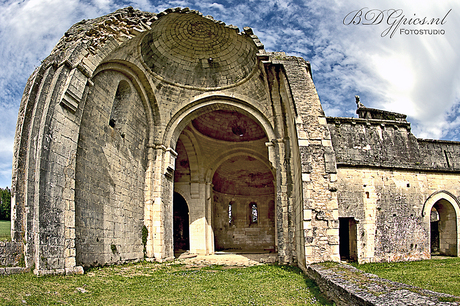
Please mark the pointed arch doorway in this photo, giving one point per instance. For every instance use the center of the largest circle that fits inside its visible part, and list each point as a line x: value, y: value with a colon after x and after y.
x: 441, y: 213
x: 443, y: 229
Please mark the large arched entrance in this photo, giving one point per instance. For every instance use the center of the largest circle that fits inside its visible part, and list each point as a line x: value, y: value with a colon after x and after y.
x: 222, y: 169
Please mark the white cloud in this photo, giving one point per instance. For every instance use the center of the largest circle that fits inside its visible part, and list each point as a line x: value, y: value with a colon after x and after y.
x: 217, y: 6
x: 412, y: 74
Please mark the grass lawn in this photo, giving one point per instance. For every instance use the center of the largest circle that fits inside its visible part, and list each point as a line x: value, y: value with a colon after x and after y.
x: 5, y: 230
x: 165, y: 284
x: 441, y: 275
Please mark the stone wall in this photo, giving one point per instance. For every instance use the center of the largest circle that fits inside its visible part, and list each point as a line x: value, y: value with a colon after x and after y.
x: 241, y: 234
x: 111, y: 164
x: 385, y: 176
x: 317, y: 218
x: 11, y: 253
x: 389, y: 206
x: 390, y: 144
x: 348, y: 286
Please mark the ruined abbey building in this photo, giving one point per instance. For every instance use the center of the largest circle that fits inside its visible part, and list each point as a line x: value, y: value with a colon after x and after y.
x: 144, y: 135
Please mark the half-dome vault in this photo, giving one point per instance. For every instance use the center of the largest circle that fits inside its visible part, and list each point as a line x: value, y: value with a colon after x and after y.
x: 187, y: 49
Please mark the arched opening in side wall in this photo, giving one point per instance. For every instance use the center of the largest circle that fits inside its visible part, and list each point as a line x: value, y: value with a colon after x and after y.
x: 443, y: 229
x: 181, y: 225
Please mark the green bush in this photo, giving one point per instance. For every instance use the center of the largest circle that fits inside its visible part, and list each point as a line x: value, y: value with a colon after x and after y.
x: 5, y: 204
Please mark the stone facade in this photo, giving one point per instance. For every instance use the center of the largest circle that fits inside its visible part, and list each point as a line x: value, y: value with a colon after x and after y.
x: 143, y: 135
x: 388, y: 183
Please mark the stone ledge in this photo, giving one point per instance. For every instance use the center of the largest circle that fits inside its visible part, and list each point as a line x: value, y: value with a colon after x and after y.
x: 66, y: 271
x: 346, y: 285
x: 13, y: 270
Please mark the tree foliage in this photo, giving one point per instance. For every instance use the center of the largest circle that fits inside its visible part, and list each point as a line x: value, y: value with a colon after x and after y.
x: 5, y: 204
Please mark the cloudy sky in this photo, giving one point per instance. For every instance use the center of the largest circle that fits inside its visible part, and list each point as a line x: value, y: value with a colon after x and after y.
x: 368, y: 48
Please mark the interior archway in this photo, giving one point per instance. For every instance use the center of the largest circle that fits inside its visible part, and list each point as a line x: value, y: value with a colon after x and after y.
x: 222, y: 158
x: 243, y: 206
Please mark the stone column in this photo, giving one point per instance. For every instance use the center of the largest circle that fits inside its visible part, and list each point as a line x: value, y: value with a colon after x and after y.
x: 149, y: 201
x: 208, y: 222
x: 158, y: 206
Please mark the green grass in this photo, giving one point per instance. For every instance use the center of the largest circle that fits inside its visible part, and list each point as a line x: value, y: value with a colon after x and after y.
x: 165, y: 284
x: 441, y: 275
x: 5, y: 230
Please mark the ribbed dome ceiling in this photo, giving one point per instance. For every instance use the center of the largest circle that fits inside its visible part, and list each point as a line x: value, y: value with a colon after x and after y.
x: 188, y: 49
x: 228, y: 126
x: 243, y: 175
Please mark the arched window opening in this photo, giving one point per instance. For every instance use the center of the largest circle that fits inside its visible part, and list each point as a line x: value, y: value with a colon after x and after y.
x: 231, y: 213
x: 118, y: 113
x: 254, y: 213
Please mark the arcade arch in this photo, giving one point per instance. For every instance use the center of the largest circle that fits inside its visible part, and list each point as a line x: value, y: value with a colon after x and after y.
x: 222, y: 158
x: 441, y: 212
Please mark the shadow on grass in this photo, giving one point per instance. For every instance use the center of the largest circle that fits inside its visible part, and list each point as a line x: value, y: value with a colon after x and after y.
x: 311, y: 284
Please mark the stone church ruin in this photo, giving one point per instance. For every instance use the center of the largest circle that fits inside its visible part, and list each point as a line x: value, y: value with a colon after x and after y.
x: 145, y: 134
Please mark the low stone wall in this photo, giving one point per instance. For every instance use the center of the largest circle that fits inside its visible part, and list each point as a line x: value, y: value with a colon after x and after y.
x: 10, y: 253
x: 10, y: 256
x: 12, y: 270
x: 346, y: 285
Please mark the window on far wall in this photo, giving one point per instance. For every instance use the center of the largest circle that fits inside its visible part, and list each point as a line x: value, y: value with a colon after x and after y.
x: 254, y: 212
x: 230, y: 213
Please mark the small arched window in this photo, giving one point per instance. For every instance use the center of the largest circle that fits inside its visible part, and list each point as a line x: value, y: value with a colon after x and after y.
x: 230, y: 213
x: 254, y: 213
x: 118, y: 113
x: 434, y: 216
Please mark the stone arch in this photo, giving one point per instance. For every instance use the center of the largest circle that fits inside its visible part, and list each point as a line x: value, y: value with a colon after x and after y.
x: 448, y: 208
x: 193, y: 153
x: 199, y: 190
x: 220, y: 159
x: 438, y: 195
x: 134, y: 160
x: 209, y: 102
x: 144, y: 89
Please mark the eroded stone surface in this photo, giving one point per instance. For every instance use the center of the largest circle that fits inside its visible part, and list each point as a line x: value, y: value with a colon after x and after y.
x: 135, y: 110
x: 346, y: 285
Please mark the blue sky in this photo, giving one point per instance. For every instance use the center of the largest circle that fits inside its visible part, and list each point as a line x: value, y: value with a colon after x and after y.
x: 409, y: 73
